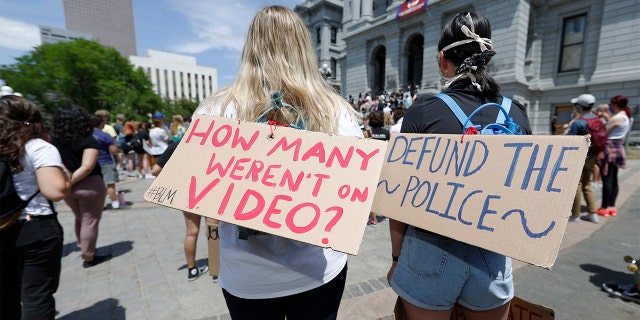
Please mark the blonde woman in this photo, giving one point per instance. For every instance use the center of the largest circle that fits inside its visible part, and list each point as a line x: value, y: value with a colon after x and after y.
x: 266, y: 276
x: 177, y: 128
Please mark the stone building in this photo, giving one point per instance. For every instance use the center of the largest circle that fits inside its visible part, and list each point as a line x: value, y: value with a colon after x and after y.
x: 548, y: 51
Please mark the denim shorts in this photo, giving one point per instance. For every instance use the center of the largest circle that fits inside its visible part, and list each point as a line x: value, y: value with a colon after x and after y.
x: 434, y: 272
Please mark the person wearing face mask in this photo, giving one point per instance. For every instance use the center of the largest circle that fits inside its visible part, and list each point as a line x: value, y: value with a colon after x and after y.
x: 477, y: 279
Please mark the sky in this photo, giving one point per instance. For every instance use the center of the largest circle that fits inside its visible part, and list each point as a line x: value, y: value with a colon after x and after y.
x: 213, y: 31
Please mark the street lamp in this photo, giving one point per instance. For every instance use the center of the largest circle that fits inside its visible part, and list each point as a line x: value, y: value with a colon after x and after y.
x: 325, y: 71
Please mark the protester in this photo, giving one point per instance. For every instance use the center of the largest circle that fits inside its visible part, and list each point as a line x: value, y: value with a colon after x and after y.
x: 31, y: 247
x: 177, y: 128
x: 108, y: 128
x: 614, y: 156
x: 73, y: 137
x: 596, y: 178
x: 129, y: 132
x: 398, y: 115
x: 192, y: 222
x: 376, y: 131
x: 142, y: 135
x: 464, y: 50
x: 108, y: 156
x: 266, y: 276
x: 584, y: 103
x: 158, y: 141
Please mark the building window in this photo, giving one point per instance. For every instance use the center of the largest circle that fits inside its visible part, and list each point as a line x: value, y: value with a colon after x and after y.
x: 334, y: 35
x: 319, y: 35
x: 572, y: 43
x: 334, y: 66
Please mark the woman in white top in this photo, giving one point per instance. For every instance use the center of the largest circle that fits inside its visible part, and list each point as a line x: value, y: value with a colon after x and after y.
x: 158, y: 141
x: 614, y: 156
x: 266, y: 276
x: 31, y: 247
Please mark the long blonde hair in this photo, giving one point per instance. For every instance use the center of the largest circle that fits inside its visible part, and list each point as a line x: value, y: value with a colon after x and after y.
x: 278, y: 56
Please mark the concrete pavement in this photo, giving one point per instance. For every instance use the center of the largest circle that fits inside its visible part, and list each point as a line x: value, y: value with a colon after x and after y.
x: 147, y: 277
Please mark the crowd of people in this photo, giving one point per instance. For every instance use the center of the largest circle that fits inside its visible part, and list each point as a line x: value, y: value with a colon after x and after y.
x: 261, y: 275
x: 75, y: 158
x: 606, y: 155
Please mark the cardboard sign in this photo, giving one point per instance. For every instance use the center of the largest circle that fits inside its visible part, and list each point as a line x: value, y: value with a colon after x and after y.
x: 213, y: 247
x: 520, y: 309
x: 301, y: 185
x: 509, y: 194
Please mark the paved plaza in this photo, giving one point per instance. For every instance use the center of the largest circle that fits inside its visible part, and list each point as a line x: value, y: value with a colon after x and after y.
x: 147, y: 277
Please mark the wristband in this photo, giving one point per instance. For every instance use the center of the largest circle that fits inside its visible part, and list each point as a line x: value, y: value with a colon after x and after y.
x: 394, y: 258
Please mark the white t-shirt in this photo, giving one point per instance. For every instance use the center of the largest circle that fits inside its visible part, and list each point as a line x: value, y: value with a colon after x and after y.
x: 396, y: 127
x: 267, y: 266
x: 39, y: 153
x: 159, y: 138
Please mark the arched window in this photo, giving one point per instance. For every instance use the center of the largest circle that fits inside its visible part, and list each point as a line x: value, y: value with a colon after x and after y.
x: 415, y: 54
x: 378, y: 65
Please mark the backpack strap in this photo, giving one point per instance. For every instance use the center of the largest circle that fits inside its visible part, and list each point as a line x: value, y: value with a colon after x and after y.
x: 503, y: 118
x: 506, y: 105
x: 455, y: 108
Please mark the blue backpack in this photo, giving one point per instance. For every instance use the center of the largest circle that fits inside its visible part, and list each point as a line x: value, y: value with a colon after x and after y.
x: 503, y: 125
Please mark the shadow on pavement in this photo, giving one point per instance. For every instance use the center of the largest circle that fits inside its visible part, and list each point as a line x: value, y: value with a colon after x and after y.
x: 120, y: 248
x: 105, y: 309
x: 602, y: 275
x: 70, y: 247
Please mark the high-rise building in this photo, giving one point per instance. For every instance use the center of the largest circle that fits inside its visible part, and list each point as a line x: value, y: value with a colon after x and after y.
x: 109, y: 21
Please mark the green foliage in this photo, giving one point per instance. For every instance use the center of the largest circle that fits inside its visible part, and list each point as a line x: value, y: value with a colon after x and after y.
x: 84, y: 73
x: 181, y: 107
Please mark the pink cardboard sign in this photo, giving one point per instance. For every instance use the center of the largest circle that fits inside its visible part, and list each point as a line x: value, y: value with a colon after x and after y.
x: 302, y: 185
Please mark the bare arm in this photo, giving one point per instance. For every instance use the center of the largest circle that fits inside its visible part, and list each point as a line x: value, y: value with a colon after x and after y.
x: 89, y: 161
x: 53, y: 183
x: 614, y: 122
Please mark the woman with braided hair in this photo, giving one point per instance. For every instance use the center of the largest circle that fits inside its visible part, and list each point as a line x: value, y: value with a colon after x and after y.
x: 431, y: 273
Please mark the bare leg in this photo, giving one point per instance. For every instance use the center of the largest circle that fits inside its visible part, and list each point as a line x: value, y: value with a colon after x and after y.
x: 500, y: 313
x: 416, y: 313
x: 111, y: 192
x: 192, y: 222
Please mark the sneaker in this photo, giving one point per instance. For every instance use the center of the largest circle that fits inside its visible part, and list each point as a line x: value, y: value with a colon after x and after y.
x: 373, y: 223
x: 195, y: 272
x: 625, y: 291
x: 574, y: 219
x: 149, y: 176
x: 603, y: 212
x: 613, y: 212
x: 96, y: 260
x: 592, y: 217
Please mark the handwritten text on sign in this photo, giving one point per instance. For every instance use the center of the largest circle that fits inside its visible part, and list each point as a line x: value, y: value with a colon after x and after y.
x: 509, y: 194
x: 297, y: 184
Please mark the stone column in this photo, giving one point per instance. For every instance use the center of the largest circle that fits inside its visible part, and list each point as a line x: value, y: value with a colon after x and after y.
x: 355, y: 10
x: 367, y: 9
x: 346, y: 11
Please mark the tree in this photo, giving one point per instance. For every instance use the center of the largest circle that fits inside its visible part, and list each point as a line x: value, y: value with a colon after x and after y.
x: 84, y: 73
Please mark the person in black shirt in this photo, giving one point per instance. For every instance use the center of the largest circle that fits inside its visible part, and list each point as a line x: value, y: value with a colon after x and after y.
x: 463, y: 51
